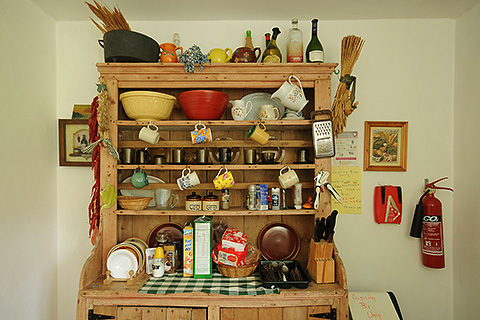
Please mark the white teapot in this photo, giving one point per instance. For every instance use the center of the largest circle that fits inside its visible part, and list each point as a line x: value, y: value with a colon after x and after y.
x: 241, y: 109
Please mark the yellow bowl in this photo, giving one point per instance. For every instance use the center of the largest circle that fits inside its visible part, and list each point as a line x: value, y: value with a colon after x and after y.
x: 147, y: 105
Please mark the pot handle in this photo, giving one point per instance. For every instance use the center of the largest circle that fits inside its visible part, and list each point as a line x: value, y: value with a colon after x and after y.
x: 101, y: 43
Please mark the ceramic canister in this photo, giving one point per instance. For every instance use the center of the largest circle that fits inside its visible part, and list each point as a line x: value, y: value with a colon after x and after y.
x: 193, y: 202
x: 211, y: 202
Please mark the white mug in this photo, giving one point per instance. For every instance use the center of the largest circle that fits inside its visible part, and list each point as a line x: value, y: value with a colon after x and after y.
x: 241, y: 109
x: 149, y: 134
x: 291, y: 95
x: 269, y: 112
x: 288, y: 178
x: 188, y: 179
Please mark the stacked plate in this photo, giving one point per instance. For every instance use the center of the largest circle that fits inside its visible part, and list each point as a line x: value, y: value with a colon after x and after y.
x: 126, y: 256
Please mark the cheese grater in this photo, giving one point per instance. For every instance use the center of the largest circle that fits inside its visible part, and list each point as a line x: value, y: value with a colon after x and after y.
x: 323, y: 136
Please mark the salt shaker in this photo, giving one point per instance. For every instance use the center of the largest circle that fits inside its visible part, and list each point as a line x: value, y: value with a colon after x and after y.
x: 158, y: 264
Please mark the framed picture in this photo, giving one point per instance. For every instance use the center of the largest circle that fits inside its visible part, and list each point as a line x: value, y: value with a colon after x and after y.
x: 385, y: 146
x: 73, y: 137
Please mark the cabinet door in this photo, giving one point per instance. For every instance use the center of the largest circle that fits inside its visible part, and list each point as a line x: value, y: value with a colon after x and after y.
x: 151, y: 313
x: 286, y: 313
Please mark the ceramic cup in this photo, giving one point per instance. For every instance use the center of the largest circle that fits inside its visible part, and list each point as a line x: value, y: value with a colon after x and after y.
x: 269, y: 112
x: 258, y: 133
x: 287, y: 178
x: 224, y: 179
x: 139, y: 178
x: 241, y: 109
x: 188, y: 179
x: 218, y: 55
x: 149, y: 134
x: 166, y: 199
x: 291, y: 95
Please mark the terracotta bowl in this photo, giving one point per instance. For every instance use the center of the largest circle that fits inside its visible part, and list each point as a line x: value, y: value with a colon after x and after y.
x: 203, y: 104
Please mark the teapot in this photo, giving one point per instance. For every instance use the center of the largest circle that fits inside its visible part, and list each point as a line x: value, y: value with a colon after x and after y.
x: 168, y: 52
x: 218, y: 55
x: 245, y: 54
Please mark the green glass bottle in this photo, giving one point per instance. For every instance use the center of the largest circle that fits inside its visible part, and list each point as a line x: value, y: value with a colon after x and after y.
x: 314, y: 52
x: 272, y: 52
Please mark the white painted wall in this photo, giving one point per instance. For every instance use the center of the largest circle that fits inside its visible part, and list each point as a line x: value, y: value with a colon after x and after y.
x: 466, y: 277
x: 405, y: 73
x: 28, y: 163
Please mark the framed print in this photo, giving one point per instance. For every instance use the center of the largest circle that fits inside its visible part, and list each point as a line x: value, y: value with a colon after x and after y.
x: 73, y: 137
x: 385, y: 146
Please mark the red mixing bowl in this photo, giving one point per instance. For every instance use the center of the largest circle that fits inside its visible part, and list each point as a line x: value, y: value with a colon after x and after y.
x: 203, y: 104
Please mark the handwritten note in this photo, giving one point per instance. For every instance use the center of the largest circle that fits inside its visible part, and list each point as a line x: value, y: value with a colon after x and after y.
x: 372, y: 305
x: 348, y: 183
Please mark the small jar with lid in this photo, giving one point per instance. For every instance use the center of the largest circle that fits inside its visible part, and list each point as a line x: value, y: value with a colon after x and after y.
x: 211, y: 202
x: 193, y: 202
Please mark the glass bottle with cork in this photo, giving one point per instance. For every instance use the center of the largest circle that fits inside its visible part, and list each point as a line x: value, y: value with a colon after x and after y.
x: 248, y: 40
x: 295, y: 43
x: 314, y: 52
x: 272, y: 53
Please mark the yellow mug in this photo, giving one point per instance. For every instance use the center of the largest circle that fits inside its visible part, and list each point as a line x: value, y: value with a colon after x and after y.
x: 223, y: 180
x: 218, y: 55
x: 258, y: 133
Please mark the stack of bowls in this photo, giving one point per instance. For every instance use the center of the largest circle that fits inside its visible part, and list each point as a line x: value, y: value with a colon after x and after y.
x: 126, y: 256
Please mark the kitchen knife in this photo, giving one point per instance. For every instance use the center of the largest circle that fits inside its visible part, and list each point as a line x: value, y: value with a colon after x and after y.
x: 331, y: 226
x: 319, y: 229
x: 328, y: 222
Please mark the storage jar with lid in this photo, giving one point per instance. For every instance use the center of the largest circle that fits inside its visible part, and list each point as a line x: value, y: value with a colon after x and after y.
x: 193, y: 202
x: 211, y: 202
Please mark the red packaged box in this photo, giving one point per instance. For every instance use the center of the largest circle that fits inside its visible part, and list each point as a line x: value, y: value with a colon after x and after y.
x: 234, y: 239
x: 229, y: 257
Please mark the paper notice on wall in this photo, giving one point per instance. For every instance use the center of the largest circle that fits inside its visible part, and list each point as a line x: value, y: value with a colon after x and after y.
x: 372, y: 305
x: 346, y: 149
x: 348, y: 183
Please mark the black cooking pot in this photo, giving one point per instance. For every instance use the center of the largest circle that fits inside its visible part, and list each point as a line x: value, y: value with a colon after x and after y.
x: 129, y: 46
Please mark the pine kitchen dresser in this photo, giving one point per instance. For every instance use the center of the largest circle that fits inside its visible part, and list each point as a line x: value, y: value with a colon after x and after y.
x: 122, y: 301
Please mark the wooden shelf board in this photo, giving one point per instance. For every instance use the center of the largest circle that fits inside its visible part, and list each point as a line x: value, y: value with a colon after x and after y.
x: 206, y: 186
x: 231, y: 167
x: 230, y: 212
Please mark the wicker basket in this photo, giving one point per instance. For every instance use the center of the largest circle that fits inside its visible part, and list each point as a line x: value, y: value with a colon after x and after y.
x: 242, y: 271
x: 133, y: 203
x: 237, y: 272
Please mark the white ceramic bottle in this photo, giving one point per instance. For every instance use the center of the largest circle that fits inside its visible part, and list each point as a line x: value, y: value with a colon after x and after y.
x: 158, y: 264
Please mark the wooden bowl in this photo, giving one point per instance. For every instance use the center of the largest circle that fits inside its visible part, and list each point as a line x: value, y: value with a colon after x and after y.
x: 133, y: 203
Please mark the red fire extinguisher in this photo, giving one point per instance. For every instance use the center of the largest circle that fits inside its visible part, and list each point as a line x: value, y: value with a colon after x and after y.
x: 432, y: 228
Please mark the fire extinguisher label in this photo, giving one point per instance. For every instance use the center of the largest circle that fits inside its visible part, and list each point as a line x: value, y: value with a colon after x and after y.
x: 432, y: 235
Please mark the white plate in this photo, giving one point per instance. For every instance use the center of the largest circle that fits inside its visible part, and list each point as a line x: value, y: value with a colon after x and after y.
x: 259, y: 99
x: 120, y: 262
x: 141, y: 192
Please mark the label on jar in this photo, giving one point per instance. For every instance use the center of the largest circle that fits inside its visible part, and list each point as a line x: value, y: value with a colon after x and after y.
x: 315, y: 56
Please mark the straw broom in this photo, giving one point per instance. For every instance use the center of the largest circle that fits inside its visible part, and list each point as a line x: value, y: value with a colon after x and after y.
x: 112, y: 20
x: 343, y: 104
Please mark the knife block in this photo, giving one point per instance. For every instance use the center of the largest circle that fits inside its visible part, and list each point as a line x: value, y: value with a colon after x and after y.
x: 321, y: 265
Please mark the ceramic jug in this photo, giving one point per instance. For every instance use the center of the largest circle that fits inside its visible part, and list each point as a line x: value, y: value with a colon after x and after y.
x: 218, y: 55
x: 168, y: 52
x: 240, y: 109
x: 245, y: 54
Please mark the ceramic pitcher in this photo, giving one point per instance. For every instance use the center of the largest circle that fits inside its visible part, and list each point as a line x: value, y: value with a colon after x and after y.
x: 168, y: 52
x: 218, y: 55
x: 240, y: 109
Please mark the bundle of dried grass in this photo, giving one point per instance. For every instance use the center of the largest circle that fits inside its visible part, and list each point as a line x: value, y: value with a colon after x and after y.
x: 344, y: 102
x: 111, y: 20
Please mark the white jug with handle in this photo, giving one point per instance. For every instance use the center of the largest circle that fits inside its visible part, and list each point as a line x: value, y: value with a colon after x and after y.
x: 291, y: 95
x: 241, y: 109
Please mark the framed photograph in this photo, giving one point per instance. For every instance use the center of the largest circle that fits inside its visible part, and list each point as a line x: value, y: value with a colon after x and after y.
x: 73, y: 137
x: 385, y: 146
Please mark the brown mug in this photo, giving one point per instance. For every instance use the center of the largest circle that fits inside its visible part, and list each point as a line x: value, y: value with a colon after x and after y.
x: 245, y: 54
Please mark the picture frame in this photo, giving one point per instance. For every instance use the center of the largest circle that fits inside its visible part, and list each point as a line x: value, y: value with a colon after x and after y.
x: 73, y: 136
x: 385, y: 146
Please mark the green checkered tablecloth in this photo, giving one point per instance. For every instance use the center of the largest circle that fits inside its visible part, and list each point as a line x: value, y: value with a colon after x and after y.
x: 176, y: 283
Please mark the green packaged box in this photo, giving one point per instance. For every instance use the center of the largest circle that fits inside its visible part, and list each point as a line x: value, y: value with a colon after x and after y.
x: 202, y: 247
